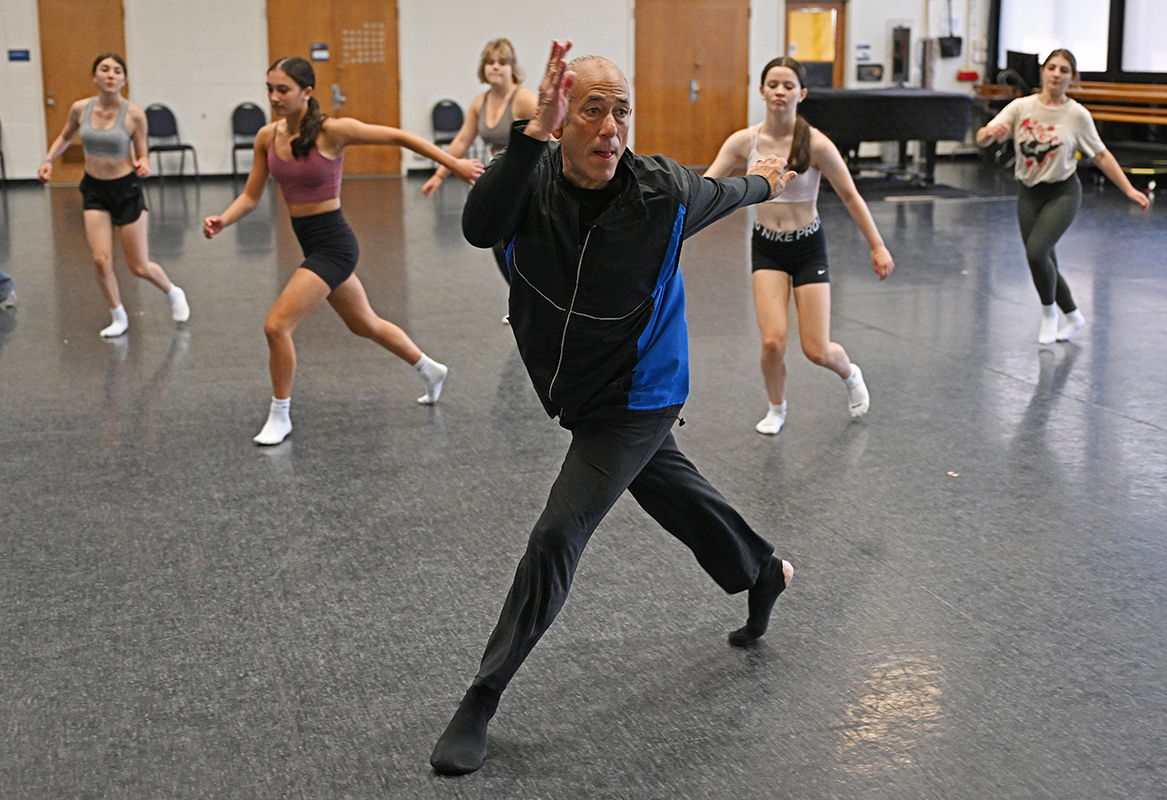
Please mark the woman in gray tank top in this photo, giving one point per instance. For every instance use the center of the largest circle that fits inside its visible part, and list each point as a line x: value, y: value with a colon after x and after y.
x: 492, y: 112
x: 491, y: 115
x: 112, y: 187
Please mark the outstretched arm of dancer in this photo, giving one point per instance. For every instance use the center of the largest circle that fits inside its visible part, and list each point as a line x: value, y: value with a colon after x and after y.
x: 825, y: 156
x: 245, y: 203
x: 344, y: 131
x: 458, y: 147
x: 993, y: 132
x: 1110, y: 167
x: 141, y: 142
x: 44, y: 172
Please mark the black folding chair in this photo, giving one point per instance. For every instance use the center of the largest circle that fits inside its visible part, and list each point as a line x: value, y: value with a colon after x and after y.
x: 162, y: 133
x: 246, y: 120
x: 447, y: 120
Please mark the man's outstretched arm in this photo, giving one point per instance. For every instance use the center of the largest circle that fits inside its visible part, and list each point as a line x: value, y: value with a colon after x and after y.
x: 710, y: 199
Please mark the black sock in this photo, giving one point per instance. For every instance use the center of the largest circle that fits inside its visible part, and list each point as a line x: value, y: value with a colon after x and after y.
x: 462, y: 748
x: 763, y: 594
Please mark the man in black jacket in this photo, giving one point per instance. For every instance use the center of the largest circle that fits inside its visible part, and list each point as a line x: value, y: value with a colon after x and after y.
x: 593, y: 236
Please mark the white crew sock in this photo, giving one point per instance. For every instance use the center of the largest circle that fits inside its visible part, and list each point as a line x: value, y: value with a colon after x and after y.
x: 857, y: 397
x: 279, y: 422
x: 179, y: 310
x: 774, y: 420
x: 1049, y: 324
x: 434, y: 374
x: 119, y: 324
x: 1074, y: 321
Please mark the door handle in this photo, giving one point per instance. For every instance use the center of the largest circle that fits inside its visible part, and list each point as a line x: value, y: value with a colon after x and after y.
x: 693, y: 90
x: 50, y: 101
x: 338, y: 99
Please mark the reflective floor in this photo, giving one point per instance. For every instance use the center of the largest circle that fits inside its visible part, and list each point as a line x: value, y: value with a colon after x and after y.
x: 979, y: 609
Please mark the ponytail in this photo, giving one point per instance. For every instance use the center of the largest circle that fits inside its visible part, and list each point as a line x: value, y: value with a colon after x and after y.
x: 800, y: 146
x: 310, y: 127
x: 302, y: 73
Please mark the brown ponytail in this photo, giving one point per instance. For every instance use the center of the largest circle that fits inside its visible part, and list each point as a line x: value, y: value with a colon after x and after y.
x: 302, y: 73
x: 800, y: 147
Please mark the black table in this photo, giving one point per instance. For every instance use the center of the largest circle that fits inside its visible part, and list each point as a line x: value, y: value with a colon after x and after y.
x: 852, y: 116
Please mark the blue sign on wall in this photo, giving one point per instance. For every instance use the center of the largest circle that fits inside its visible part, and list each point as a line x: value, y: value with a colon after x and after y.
x: 19, y: 55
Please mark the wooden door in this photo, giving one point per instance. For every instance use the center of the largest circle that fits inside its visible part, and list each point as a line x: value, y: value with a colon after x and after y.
x: 692, y: 76
x: 69, y: 43
x: 816, y: 35
x: 360, y: 77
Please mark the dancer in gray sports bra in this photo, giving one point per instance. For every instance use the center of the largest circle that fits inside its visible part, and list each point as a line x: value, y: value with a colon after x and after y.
x: 505, y: 102
x: 112, y: 187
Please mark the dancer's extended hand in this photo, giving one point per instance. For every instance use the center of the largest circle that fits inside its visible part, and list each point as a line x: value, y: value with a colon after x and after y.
x: 881, y: 261
x: 468, y: 169
x: 212, y: 226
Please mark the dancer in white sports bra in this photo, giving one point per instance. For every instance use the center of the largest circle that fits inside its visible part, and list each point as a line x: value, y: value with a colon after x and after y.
x: 789, y: 246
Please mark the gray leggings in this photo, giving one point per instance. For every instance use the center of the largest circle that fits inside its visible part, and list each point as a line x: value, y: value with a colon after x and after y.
x: 1045, y: 211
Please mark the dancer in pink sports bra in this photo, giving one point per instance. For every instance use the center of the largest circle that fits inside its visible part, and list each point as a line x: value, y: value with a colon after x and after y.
x: 789, y: 249
x: 304, y: 152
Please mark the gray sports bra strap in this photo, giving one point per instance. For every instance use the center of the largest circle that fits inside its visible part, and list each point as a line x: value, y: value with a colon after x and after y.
x: 111, y: 142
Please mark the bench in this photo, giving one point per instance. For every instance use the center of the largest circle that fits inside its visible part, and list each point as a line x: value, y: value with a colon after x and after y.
x: 1141, y: 103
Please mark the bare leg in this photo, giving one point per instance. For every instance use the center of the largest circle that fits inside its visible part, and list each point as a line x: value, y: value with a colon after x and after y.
x: 814, y: 328
x: 352, y: 303
x: 304, y: 292
x: 134, y: 242
x: 771, y: 301
x: 99, y: 233
x: 813, y: 301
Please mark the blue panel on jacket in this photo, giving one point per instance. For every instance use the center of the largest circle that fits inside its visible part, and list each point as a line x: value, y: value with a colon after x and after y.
x: 661, y: 376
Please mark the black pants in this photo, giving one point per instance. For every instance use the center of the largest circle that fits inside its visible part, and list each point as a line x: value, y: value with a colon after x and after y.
x: 605, y: 458
x: 1045, y: 212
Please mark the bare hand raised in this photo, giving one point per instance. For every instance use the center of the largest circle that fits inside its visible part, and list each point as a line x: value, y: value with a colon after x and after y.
x: 773, y: 169
x: 554, y: 90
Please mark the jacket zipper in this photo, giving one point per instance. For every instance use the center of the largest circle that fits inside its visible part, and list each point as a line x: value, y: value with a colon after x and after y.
x: 570, y: 310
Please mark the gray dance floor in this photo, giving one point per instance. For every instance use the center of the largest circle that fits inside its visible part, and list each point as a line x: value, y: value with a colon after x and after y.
x: 979, y: 609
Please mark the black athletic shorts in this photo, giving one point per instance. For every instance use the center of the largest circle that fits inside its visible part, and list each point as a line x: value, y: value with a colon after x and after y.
x: 329, y: 244
x: 122, y: 197
x: 801, y: 253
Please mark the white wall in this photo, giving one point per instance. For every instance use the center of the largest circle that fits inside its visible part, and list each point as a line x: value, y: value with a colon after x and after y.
x: 203, y: 58
x: 22, y: 114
